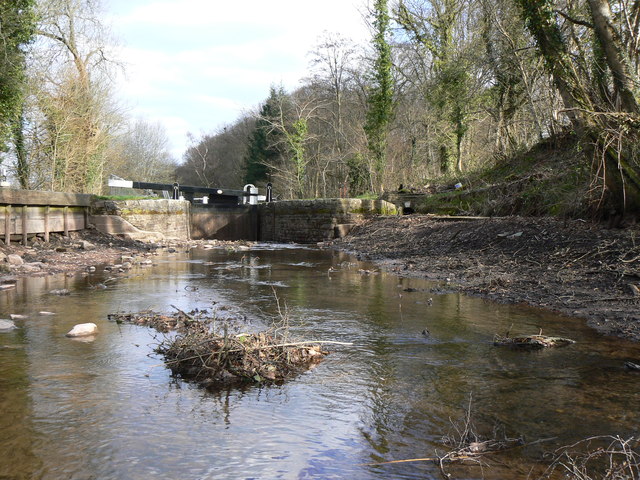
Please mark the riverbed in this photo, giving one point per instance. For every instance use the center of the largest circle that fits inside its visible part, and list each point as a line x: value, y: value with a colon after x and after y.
x: 421, y: 358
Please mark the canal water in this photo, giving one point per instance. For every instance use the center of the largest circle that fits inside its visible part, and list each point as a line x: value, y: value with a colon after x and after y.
x: 108, y: 409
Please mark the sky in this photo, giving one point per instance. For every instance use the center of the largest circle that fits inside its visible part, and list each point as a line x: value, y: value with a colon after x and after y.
x: 197, y: 65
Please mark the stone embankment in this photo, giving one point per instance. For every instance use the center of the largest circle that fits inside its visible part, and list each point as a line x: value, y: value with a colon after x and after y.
x: 145, y: 220
x: 312, y: 221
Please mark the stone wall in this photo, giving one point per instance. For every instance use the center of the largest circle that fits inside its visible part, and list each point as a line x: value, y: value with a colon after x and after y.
x: 311, y: 221
x: 169, y: 217
x: 300, y: 221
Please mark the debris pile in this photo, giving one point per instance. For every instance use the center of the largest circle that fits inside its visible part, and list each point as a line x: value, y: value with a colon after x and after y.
x: 260, y: 357
x: 531, y: 341
x: 163, y: 323
x: 199, y: 352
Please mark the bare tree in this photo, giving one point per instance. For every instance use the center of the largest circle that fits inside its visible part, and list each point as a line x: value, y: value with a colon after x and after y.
x: 70, y: 77
x: 141, y: 153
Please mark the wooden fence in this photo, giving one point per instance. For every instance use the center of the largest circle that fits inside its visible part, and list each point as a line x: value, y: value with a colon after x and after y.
x: 29, y: 212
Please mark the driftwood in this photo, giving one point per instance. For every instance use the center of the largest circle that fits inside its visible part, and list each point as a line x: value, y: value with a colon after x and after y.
x: 632, y: 366
x: 465, y: 445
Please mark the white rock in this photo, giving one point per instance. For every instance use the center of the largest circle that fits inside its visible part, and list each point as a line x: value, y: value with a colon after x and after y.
x: 60, y: 291
x: 46, y: 313
x: 83, y: 329
x: 85, y: 245
x: 14, y: 259
x: 16, y: 316
x: 6, y: 325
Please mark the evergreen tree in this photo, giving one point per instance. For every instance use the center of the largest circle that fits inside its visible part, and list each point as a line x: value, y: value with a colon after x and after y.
x: 262, y: 150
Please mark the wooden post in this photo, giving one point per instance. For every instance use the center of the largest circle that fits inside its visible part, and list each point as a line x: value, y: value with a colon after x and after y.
x: 25, y: 211
x: 46, y: 224
x: 65, y: 219
x: 7, y: 225
x: 86, y: 218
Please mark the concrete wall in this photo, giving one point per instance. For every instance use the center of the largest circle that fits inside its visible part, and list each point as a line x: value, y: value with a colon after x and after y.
x: 169, y: 217
x: 311, y: 221
x: 224, y: 222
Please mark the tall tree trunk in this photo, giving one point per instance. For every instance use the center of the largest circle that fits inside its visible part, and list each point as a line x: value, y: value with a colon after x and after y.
x: 614, y: 54
x: 22, y: 160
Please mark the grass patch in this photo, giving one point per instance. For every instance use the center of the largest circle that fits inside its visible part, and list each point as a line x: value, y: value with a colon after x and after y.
x: 125, y: 197
x: 551, y: 179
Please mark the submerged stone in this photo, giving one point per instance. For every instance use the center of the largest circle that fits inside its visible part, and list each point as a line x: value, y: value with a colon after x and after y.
x: 6, y: 325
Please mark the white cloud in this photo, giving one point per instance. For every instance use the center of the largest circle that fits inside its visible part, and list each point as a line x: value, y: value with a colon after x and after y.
x: 195, y: 65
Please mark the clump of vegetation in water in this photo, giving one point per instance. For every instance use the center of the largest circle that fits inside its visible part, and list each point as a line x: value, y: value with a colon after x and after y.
x: 257, y: 357
x: 199, y: 352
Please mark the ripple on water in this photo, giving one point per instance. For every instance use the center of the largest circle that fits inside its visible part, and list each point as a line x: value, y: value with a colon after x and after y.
x: 109, y: 409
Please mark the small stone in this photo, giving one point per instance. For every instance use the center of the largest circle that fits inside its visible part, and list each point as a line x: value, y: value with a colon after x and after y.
x: 126, y: 266
x: 7, y: 325
x: 60, y: 291
x: 82, y: 330
x: 91, y: 269
x: 635, y: 291
x: 15, y: 316
x: 3, y: 256
x: 85, y: 245
x: 30, y: 268
x: 62, y: 249
x: 45, y: 313
x: 14, y: 259
x: 126, y: 258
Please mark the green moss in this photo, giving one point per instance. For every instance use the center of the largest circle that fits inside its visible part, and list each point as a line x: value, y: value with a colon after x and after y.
x: 550, y: 179
x: 368, y: 196
x: 124, y: 197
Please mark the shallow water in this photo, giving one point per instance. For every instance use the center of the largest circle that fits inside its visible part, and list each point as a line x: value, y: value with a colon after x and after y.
x: 108, y: 409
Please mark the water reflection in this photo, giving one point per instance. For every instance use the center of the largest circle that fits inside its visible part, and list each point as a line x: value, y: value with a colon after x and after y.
x: 109, y: 409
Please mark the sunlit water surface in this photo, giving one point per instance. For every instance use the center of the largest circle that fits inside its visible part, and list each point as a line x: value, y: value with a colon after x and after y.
x: 109, y: 409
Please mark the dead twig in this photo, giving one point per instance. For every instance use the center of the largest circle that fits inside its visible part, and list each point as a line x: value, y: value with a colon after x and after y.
x: 607, y: 457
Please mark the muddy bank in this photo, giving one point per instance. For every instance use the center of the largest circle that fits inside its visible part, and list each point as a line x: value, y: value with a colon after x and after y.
x: 83, y: 251
x: 572, y: 267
